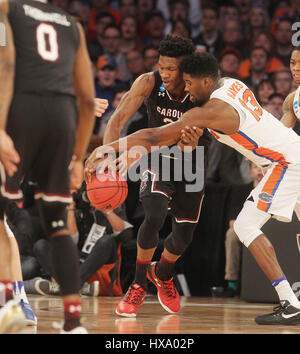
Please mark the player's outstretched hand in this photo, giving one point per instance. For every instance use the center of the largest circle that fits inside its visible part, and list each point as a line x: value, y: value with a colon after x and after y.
x: 100, y: 106
x: 8, y: 154
x: 190, y: 137
x: 98, y: 160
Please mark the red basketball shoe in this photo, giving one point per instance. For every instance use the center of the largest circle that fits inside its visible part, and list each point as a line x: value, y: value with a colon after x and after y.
x: 166, y: 291
x: 129, y: 304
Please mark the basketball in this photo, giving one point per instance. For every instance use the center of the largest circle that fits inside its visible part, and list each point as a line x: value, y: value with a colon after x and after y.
x: 106, y: 191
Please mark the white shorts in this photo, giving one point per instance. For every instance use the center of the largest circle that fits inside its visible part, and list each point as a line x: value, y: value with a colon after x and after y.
x: 278, y: 191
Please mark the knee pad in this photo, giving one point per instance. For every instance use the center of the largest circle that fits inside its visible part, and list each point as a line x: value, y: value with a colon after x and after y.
x: 249, y: 222
x: 180, y: 238
x: 53, y: 216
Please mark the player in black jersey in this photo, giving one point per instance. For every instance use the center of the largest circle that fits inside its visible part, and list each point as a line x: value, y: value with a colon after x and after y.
x: 166, y: 100
x: 47, y: 118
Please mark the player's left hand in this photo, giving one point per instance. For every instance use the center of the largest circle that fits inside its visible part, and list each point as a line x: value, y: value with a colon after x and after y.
x: 8, y: 154
x: 100, y: 106
x: 190, y: 137
x: 127, y: 159
x: 98, y: 159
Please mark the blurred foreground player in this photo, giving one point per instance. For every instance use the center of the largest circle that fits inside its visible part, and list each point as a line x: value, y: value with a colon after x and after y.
x: 233, y: 115
x: 49, y: 129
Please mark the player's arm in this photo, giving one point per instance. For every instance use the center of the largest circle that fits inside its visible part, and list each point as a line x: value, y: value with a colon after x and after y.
x: 215, y: 114
x: 288, y: 117
x: 129, y: 104
x: 7, y: 63
x: 8, y: 155
x: 85, y: 93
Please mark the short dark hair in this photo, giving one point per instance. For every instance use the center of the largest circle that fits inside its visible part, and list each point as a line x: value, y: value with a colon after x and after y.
x: 200, y: 65
x: 176, y: 47
x: 297, y: 48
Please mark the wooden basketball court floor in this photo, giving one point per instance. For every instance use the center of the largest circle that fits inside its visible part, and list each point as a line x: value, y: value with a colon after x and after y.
x: 198, y: 315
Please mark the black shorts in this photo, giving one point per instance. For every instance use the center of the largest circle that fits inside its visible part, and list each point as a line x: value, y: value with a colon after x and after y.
x: 184, y: 206
x: 43, y: 129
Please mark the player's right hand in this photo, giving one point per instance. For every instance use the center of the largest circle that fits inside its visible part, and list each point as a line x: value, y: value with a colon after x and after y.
x: 8, y: 154
x: 98, y: 160
x: 100, y: 106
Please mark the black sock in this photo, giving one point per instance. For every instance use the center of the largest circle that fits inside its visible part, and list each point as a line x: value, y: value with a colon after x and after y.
x: 164, y: 268
x: 65, y: 264
x: 141, y: 273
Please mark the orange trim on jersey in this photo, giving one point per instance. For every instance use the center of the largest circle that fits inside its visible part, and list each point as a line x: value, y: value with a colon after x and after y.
x: 271, y: 186
x: 214, y: 134
x: 250, y: 145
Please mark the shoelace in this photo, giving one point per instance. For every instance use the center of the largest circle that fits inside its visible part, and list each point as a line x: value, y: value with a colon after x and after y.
x: 280, y: 307
x: 170, y: 288
x: 134, y: 296
x: 53, y: 287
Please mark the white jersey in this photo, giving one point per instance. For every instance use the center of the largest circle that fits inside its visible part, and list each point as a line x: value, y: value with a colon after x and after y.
x: 261, y: 137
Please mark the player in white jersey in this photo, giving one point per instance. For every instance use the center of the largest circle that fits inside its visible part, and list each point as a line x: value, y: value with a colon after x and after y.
x: 232, y: 114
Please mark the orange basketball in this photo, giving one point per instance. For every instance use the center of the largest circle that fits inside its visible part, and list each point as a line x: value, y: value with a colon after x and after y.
x: 106, y: 191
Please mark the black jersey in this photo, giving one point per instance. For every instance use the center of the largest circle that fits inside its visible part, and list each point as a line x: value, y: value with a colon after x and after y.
x: 46, y: 40
x: 163, y: 109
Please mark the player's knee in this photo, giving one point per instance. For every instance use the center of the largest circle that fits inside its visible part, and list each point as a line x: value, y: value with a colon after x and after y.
x: 246, y: 231
x: 180, y: 238
x: 248, y: 224
x: 53, y: 218
x: 155, y: 218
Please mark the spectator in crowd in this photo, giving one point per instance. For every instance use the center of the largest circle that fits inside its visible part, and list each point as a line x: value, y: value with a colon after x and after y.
x: 99, y: 6
x: 135, y: 64
x: 230, y: 62
x: 259, y: 21
x: 111, y: 40
x: 258, y: 64
x: 95, y: 47
x: 106, y: 78
x: 179, y: 10
x: 151, y: 56
x: 155, y: 24
x: 264, y: 90
x: 276, y: 100
x: 244, y: 7
x: 228, y: 10
x: 129, y: 36
x: 232, y: 36
x: 291, y: 12
x: 266, y: 41
x: 63, y: 4
x: 82, y: 11
x: 210, y: 36
x: 127, y: 8
x: 194, y: 12
x: 283, y: 41
x: 181, y: 28
x: 144, y: 7
x: 233, y: 245
x: 283, y: 81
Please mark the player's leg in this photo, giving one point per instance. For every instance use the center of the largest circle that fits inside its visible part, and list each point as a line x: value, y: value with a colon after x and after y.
x: 185, y: 208
x: 156, y: 209
x: 19, y: 293
x: 12, y: 318
x: 160, y: 273
x: 51, y: 172
x: 276, y: 195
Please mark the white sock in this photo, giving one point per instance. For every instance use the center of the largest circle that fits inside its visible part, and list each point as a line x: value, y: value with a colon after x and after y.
x: 285, y: 292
